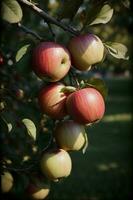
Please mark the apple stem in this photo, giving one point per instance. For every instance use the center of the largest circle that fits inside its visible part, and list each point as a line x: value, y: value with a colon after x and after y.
x: 47, y: 17
x: 51, y: 30
x: 74, y: 77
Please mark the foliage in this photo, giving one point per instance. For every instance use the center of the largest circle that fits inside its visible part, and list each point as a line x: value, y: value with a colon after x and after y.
x: 26, y: 132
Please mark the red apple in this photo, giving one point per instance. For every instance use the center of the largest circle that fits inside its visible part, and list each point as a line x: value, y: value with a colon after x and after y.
x: 38, y: 189
x: 19, y: 94
x: 56, y: 164
x: 70, y: 135
x: 6, y: 182
x: 86, y: 50
x: 1, y: 59
x: 52, y: 100
x: 86, y: 105
x: 51, y: 60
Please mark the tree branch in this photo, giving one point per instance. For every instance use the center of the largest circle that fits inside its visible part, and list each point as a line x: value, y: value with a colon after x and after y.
x: 26, y: 30
x: 47, y: 17
x: 51, y: 31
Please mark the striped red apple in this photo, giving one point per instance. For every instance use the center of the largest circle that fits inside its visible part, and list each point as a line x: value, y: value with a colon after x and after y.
x: 51, y: 60
x: 85, y: 105
x: 52, y: 100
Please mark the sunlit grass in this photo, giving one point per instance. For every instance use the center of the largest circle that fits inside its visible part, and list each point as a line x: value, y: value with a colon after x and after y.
x: 106, y: 167
x: 122, y: 117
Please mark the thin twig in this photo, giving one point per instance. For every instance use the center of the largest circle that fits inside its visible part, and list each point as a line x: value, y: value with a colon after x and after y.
x: 51, y: 30
x: 47, y: 17
x: 27, y: 30
x: 73, y: 75
x: 18, y: 169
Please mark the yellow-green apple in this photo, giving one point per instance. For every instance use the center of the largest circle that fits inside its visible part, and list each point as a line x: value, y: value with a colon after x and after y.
x: 6, y: 182
x: 52, y: 100
x: 56, y: 164
x: 70, y: 135
x: 86, y: 50
x: 38, y: 189
x: 51, y: 60
x: 86, y: 105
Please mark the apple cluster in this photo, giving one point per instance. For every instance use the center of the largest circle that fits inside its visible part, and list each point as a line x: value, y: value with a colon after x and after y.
x: 74, y: 108
x: 52, y: 62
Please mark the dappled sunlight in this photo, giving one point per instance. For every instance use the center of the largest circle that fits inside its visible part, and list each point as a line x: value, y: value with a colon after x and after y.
x: 107, y: 167
x: 122, y: 117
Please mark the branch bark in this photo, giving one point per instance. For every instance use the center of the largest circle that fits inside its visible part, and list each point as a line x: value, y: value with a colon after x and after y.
x: 47, y: 17
x: 26, y: 30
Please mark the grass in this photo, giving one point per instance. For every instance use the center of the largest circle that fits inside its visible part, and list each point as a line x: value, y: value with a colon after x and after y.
x: 104, y: 172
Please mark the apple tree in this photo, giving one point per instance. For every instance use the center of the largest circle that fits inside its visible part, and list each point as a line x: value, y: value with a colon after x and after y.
x: 46, y: 102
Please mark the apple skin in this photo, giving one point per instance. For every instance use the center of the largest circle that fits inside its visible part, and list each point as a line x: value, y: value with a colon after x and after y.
x: 56, y: 164
x: 86, y: 105
x: 52, y: 100
x: 51, y: 60
x: 6, y: 182
x: 69, y: 135
x: 38, y: 190
x: 1, y: 59
x: 86, y: 50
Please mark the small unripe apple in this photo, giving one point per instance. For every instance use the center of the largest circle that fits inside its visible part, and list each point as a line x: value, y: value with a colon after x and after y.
x: 86, y: 105
x: 52, y: 100
x: 51, y: 60
x: 70, y: 135
x: 19, y: 94
x: 56, y: 164
x: 38, y: 189
x: 6, y: 182
x: 86, y: 50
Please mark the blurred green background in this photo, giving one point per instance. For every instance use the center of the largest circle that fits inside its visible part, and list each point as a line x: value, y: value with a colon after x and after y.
x: 104, y: 172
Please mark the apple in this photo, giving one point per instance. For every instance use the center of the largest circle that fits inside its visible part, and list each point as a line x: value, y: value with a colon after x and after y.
x: 6, y: 182
x: 1, y: 59
x: 19, y: 94
x: 52, y: 100
x: 69, y: 135
x: 56, y: 164
x: 86, y: 50
x: 51, y: 60
x: 38, y: 189
x: 86, y: 105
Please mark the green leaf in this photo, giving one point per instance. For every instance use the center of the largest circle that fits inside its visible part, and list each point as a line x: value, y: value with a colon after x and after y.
x: 23, y: 57
x: 5, y: 126
x: 126, y: 3
x: 68, y: 89
x: 117, y: 50
x: 9, y: 127
x: 31, y: 128
x: 104, y: 15
x: 99, y: 85
x: 69, y: 9
x: 82, y: 84
x: 11, y: 11
x: 85, y: 144
x: 21, y: 52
